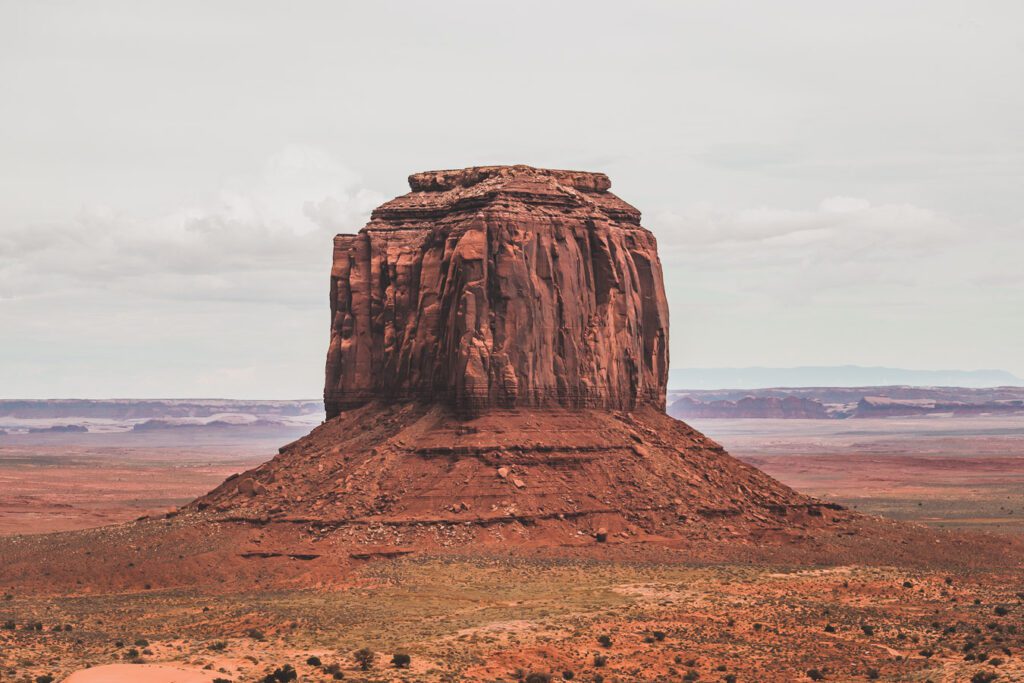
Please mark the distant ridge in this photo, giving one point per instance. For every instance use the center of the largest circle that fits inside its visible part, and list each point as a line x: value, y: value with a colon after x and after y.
x: 834, y: 376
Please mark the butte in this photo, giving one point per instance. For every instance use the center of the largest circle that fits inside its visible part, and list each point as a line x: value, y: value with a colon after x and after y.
x: 495, y: 385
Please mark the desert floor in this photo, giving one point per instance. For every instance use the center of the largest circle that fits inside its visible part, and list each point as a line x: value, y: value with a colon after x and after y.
x: 485, y: 620
x: 943, y: 471
x: 965, y: 472
x: 489, y: 620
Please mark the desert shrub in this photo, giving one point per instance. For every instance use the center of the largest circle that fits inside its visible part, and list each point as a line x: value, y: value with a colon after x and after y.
x: 691, y: 675
x: 222, y: 680
x: 537, y: 678
x: 659, y: 635
x: 568, y: 675
x: 364, y: 658
x: 313, y: 660
x: 255, y: 634
x: 873, y: 674
x: 829, y: 628
x: 907, y: 584
x: 984, y: 677
x: 868, y: 629
x: 401, y: 660
x: 926, y: 653
x: 68, y: 627
x: 141, y: 642
x: 283, y: 674
x: 995, y: 661
x: 1001, y: 611
x: 600, y: 660
x: 815, y: 675
x: 598, y: 678
x: 648, y: 639
x: 605, y: 641
x: 218, y: 646
x: 729, y: 678
x: 10, y: 625
x: 45, y: 678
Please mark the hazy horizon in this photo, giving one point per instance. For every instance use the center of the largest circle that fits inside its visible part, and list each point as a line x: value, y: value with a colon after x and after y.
x: 829, y: 184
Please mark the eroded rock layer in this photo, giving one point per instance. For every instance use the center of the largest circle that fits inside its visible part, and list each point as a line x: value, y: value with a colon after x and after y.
x: 503, y: 286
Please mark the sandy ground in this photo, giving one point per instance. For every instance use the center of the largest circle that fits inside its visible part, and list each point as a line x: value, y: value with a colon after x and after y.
x: 491, y: 620
x: 501, y: 620
x: 80, y: 481
x: 946, y: 472
x: 140, y: 673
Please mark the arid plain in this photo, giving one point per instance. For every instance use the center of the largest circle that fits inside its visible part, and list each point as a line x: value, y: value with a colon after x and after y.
x: 462, y: 618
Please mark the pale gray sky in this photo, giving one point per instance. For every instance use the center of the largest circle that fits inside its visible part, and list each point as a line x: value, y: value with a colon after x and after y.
x: 830, y: 182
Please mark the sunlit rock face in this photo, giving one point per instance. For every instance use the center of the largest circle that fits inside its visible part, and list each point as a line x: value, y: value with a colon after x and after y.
x: 499, y: 286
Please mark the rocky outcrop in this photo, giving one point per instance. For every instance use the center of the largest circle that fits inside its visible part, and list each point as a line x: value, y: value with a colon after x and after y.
x: 500, y: 286
x: 788, y: 407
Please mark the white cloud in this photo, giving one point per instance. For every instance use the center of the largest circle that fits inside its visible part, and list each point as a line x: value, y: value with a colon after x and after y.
x: 256, y: 236
x: 847, y: 224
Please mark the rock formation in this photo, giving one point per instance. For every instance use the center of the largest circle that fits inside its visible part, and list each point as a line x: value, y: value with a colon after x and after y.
x: 500, y: 286
x: 788, y: 407
x: 495, y: 385
x: 497, y: 365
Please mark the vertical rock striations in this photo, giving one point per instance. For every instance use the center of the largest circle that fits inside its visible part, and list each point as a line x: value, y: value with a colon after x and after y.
x: 499, y: 286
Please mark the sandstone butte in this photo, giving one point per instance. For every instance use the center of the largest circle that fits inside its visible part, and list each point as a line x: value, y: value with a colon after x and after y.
x: 495, y: 385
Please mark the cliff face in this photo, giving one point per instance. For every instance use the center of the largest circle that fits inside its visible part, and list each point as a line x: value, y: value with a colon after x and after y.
x: 789, y: 407
x: 503, y: 286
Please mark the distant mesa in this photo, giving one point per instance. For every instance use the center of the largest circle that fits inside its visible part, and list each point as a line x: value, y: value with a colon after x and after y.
x: 815, y: 403
x: 59, y: 429
x: 139, y: 409
x: 682, y: 379
x: 788, y: 407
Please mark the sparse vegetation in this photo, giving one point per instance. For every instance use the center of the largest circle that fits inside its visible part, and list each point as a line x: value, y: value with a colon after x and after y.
x: 364, y: 658
x: 282, y: 674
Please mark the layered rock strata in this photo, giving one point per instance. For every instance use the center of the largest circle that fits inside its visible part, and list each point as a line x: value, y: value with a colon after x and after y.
x: 501, y: 286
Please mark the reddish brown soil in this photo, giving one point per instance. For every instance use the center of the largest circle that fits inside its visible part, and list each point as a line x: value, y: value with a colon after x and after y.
x: 965, y: 473
x: 487, y: 620
x: 415, y: 480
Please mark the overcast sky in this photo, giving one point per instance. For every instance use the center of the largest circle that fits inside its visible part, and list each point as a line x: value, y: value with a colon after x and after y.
x: 829, y: 182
